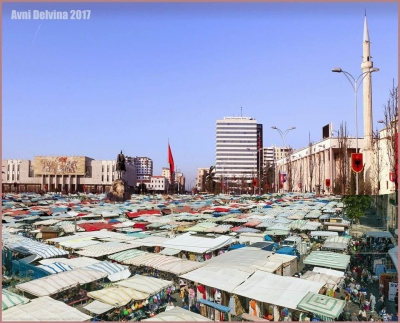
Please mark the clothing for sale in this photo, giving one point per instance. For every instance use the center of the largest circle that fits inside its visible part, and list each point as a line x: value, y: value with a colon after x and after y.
x: 202, y: 291
x: 217, y: 296
x: 253, y: 307
x: 232, y: 305
x: 276, y: 314
x: 217, y: 315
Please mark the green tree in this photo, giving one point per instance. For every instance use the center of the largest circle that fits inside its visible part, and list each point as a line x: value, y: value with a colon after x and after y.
x: 210, y: 180
x: 355, y: 206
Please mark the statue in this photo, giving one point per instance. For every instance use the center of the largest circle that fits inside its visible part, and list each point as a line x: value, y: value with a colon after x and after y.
x: 120, y: 164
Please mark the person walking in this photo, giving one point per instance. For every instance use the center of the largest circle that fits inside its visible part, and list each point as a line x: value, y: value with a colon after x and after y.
x: 381, y: 304
x: 362, y: 299
x: 372, y: 301
x: 362, y: 314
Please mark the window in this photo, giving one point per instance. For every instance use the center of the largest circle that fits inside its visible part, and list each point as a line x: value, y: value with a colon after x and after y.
x: 102, y: 178
x: 88, y: 171
x: 31, y: 171
x: 108, y: 168
x: 102, y: 168
x: 18, y: 167
x: 108, y: 178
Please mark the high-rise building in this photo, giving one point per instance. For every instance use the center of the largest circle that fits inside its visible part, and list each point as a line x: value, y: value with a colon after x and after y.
x: 201, y: 179
x: 144, y: 166
x: 238, y: 148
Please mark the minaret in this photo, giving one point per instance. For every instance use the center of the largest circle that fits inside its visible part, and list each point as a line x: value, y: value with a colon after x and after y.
x: 366, y: 66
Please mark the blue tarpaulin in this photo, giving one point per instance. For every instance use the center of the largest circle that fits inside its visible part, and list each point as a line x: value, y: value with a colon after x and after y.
x: 286, y: 251
x: 236, y: 246
x: 267, y: 238
x: 219, y: 307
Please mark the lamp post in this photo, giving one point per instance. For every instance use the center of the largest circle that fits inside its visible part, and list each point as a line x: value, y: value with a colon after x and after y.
x: 355, y: 85
x: 283, y: 136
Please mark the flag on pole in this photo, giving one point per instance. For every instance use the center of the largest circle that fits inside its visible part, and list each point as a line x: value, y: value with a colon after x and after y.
x: 171, y: 162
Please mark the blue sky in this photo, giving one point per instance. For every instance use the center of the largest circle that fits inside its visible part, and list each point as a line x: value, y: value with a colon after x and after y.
x: 136, y: 75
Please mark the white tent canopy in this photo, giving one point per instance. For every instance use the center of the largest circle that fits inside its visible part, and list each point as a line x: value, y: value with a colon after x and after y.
x: 98, y: 307
x: 329, y: 280
x: 329, y: 272
x: 243, y: 259
x: 282, y: 291
x: 117, y: 295
x: 52, y: 284
x: 145, y: 284
x: 78, y: 262
x: 193, y: 243
x: 226, y: 279
x: 338, y: 243
x: 177, y: 314
x: 44, y: 309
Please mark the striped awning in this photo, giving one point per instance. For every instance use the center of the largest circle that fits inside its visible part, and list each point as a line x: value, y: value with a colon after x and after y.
x: 10, y: 299
x: 103, y: 249
x: 145, y: 284
x: 56, y: 267
x: 325, y: 307
x: 107, y: 267
x: 28, y: 246
x: 118, y: 295
x: 328, y: 259
x: 126, y: 255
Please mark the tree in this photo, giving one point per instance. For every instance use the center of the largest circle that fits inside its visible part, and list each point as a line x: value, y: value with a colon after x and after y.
x: 355, y: 206
x: 311, y: 163
x: 390, y: 120
x: 376, y: 166
x: 268, y: 176
x: 210, y: 180
x: 342, y: 181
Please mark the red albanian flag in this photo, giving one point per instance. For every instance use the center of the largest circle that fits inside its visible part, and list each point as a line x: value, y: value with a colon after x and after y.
x: 357, y: 162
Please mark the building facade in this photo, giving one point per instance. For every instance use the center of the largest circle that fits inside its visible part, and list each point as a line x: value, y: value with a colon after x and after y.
x: 238, y: 148
x: 144, y: 167
x: 157, y: 184
x: 201, y: 179
x: 324, y: 166
x: 63, y: 174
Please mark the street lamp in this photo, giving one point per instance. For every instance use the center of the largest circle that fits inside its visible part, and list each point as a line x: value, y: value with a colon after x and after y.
x: 283, y: 136
x: 355, y: 85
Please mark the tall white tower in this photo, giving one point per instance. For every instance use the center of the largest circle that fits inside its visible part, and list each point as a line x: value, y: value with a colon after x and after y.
x: 366, y: 66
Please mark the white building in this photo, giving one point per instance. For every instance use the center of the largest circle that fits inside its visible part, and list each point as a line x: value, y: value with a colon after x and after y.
x: 63, y: 173
x: 157, y: 184
x: 384, y: 166
x: 316, y: 167
x: 144, y: 167
x: 237, y: 152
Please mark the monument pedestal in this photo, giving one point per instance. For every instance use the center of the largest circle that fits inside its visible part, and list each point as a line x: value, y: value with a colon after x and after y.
x: 118, y: 191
